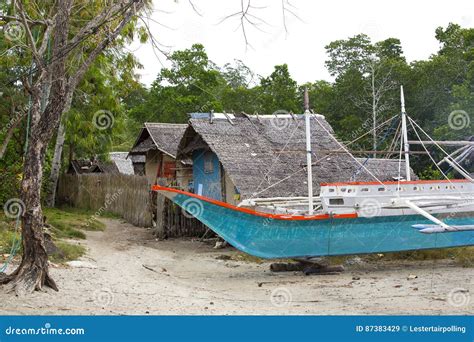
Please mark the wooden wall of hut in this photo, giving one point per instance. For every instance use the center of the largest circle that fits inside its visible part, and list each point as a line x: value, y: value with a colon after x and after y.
x: 130, y: 198
x: 172, y: 221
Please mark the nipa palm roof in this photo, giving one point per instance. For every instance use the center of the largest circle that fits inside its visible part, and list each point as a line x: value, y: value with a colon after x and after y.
x: 164, y: 137
x: 265, y: 155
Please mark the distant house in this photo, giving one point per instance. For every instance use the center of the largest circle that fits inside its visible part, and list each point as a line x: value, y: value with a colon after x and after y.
x: 123, y: 164
x: 237, y: 157
x: 154, y: 154
x: 118, y: 164
x: 82, y: 166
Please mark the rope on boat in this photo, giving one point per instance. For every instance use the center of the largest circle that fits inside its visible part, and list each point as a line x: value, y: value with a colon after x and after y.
x: 435, y: 143
x: 275, y: 160
x: 320, y: 159
x: 350, y: 154
x: 389, y: 130
x: 429, y: 154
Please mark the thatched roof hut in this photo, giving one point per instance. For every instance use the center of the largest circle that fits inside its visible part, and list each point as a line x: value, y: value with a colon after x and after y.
x: 118, y: 164
x: 265, y: 155
x: 154, y: 153
x: 123, y: 164
x: 164, y: 137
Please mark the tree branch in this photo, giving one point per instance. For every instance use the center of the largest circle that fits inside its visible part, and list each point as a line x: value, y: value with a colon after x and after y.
x: 34, y: 51
x: 93, y: 25
x: 73, y: 81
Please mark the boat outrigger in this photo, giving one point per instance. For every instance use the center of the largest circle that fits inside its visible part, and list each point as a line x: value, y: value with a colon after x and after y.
x: 346, y: 217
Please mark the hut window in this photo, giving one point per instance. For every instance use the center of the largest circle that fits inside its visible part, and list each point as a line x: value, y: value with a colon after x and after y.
x: 381, y: 189
x: 208, y: 162
x: 365, y: 190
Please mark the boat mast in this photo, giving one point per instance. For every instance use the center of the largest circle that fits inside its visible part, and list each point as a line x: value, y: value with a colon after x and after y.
x: 307, y: 117
x: 406, y: 144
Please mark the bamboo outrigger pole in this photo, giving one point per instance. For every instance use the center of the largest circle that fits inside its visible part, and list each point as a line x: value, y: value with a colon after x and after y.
x: 406, y: 144
x: 307, y: 117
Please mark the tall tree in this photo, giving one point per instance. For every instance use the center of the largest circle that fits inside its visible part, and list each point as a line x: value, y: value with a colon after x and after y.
x: 279, y: 91
x: 97, y: 97
x: 54, y: 41
x: 375, y: 67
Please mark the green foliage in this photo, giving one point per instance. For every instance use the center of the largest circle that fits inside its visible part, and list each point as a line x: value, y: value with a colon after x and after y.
x: 7, y: 237
x: 69, y: 224
x: 430, y: 173
x: 110, y: 79
x: 280, y: 91
x: 67, y: 251
x: 434, y: 88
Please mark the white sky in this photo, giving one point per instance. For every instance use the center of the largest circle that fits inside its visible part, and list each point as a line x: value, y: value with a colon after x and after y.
x: 302, y: 47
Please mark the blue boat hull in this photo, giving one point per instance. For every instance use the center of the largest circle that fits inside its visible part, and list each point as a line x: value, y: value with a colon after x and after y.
x: 274, y: 238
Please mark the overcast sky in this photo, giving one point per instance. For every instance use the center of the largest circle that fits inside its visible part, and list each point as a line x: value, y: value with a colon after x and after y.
x: 177, y: 26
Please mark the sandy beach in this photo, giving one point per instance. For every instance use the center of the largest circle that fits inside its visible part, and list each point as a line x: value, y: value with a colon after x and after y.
x: 126, y: 271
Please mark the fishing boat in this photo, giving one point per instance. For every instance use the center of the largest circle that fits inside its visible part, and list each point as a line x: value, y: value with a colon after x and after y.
x: 346, y: 217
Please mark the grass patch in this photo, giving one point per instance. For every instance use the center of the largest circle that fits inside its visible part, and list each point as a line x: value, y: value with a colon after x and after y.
x: 463, y: 256
x: 247, y: 258
x: 85, y: 212
x: 69, y: 223
x: 65, y: 223
x: 7, y: 236
x: 68, y: 252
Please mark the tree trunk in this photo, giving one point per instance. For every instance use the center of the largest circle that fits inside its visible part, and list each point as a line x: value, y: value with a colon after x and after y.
x: 56, y: 166
x: 32, y: 273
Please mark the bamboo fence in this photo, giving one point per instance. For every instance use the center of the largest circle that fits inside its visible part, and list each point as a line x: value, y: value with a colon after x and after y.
x: 123, y: 195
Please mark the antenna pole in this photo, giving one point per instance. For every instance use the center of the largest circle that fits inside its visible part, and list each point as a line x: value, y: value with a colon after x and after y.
x: 307, y: 117
x: 406, y: 144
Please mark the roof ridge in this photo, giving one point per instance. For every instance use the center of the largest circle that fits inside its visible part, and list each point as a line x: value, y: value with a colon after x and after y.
x: 165, y: 124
